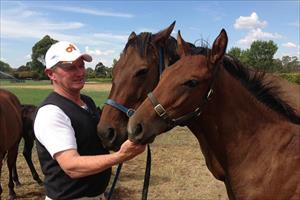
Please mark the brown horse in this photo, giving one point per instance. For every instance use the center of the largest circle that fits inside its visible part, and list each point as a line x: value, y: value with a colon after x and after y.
x: 249, y: 136
x: 10, y: 133
x: 136, y: 73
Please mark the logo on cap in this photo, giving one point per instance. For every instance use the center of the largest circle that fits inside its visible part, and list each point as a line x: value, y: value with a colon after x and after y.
x: 70, y: 48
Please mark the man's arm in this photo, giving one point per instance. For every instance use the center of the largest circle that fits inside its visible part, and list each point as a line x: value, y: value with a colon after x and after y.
x: 77, y: 166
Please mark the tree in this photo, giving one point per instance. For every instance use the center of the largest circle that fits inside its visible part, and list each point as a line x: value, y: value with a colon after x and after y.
x: 29, y: 64
x: 239, y: 54
x: 5, y: 67
x: 23, y: 68
x: 260, y: 55
x: 290, y: 63
x: 90, y: 72
x: 100, y: 70
x: 235, y: 52
x: 38, y: 54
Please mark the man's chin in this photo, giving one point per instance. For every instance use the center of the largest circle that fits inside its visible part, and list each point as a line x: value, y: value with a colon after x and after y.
x: 78, y: 86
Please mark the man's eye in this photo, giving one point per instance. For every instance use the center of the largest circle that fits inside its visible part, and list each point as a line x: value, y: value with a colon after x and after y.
x: 191, y: 83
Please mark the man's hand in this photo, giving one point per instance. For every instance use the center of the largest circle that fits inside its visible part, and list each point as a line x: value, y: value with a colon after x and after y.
x: 129, y: 150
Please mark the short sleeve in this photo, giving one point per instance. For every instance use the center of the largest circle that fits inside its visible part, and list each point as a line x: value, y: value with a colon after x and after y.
x: 53, y: 129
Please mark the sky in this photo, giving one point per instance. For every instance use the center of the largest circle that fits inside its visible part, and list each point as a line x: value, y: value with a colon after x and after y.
x: 101, y: 28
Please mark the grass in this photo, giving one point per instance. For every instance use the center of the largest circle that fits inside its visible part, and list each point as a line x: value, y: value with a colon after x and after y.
x: 36, y: 96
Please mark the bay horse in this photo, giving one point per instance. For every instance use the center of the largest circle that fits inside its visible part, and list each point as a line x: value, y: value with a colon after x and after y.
x: 28, y: 113
x: 136, y: 73
x: 10, y: 133
x: 249, y: 136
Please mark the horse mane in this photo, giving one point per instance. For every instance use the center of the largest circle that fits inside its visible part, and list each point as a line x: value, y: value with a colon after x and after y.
x: 266, y: 92
x: 143, y: 42
x: 140, y: 42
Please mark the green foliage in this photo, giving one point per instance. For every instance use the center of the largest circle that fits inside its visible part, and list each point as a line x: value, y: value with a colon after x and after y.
x: 290, y: 63
x: 260, y: 55
x: 100, y: 80
x: 90, y: 73
x: 102, y: 71
x: 235, y: 52
x: 292, y: 77
x: 5, y: 67
x: 23, y: 74
x: 38, y: 55
x: 23, y: 68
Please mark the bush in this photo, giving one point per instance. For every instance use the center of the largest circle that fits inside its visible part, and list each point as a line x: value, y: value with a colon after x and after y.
x: 292, y: 77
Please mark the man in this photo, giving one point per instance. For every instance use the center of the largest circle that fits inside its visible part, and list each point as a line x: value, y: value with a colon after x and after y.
x: 75, y: 164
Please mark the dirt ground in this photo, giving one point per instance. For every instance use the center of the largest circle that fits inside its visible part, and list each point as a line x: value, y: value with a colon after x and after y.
x: 178, y: 173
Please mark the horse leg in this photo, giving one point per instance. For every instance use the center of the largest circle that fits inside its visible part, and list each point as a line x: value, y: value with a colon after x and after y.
x: 11, y: 160
x: 15, y: 175
x: 27, y: 152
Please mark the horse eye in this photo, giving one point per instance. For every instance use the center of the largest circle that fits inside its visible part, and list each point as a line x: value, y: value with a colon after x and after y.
x: 191, y: 83
x: 142, y: 72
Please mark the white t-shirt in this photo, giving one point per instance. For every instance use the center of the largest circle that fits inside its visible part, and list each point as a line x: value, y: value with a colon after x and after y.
x: 52, y: 127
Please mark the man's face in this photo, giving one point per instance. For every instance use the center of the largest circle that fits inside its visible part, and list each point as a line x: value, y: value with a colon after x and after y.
x: 70, y: 76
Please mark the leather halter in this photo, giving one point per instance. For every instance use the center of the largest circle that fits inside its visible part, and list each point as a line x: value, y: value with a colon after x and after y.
x: 184, y: 119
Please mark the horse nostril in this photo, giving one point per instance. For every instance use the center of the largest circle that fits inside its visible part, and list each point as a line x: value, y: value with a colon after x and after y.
x: 110, y: 133
x: 138, y: 129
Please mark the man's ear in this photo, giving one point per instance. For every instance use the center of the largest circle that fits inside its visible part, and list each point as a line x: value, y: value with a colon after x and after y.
x: 50, y: 74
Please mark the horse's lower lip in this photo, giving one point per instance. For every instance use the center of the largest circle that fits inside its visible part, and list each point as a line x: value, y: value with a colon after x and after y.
x: 144, y: 141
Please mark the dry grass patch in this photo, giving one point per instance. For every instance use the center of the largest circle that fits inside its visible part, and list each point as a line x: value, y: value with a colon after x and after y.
x: 178, y: 173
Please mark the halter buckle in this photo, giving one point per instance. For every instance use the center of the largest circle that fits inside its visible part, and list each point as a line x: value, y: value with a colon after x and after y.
x: 159, y: 109
x: 130, y: 112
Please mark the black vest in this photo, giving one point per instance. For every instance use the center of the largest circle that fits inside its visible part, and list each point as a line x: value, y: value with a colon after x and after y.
x: 58, y: 185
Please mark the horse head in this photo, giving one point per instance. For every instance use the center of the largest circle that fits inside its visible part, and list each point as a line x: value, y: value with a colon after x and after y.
x: 180, y: 94
x: 135, y: 74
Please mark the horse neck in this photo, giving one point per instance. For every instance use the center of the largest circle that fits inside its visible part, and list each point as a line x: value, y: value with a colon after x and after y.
x: 232, y: 118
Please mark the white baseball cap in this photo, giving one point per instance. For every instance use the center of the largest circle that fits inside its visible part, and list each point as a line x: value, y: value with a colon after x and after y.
x: 64, y: 51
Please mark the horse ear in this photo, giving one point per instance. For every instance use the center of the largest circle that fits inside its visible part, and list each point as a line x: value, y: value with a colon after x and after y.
x: 219, y: 47
x: 163, y: 35
x: 131, y: 36
x: 183, y: 47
